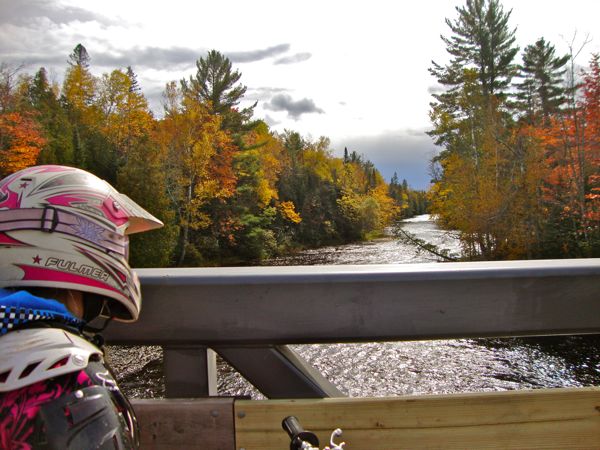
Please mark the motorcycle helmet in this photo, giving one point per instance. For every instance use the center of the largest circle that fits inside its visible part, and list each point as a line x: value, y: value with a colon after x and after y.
x: 62, y: 227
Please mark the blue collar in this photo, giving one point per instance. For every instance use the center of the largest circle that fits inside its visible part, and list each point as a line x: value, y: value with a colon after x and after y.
x: 20, y: 308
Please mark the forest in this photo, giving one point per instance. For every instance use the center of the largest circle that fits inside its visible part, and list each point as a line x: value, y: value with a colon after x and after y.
x: 229, y: 190
x: 517, y: 175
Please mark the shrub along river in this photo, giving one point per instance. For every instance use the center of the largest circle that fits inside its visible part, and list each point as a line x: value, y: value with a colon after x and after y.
x: 398, y: 368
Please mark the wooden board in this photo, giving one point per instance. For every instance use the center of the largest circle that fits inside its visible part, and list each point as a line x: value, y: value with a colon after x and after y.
x: 538, y: 419
x: 181, y: 424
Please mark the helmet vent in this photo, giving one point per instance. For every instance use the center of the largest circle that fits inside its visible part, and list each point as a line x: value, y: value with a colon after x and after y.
x: 59, y: 363
x: 30, y: 368
x: 4, y: 376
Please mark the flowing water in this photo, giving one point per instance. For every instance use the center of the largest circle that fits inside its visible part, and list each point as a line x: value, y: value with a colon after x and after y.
x: 399, y: 368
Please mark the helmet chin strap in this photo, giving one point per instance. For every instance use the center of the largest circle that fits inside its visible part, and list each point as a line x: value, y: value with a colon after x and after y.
x: 103, y: 313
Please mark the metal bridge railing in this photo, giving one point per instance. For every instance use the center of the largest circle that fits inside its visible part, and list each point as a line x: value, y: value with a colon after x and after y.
x: 249, y: 314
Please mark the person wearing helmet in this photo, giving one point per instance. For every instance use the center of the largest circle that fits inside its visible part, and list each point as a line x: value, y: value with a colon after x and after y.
x: 64, y: 262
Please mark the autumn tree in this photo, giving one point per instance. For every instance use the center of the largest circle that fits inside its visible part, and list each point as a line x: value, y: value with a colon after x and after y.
x: 572, y: 185
x: 485, y: 163
x: 126, y: 117
x: 79, y: 87
x: 21, y: 138
x: 260, y: 215
x: 198, y: 157
x: 20, y: 142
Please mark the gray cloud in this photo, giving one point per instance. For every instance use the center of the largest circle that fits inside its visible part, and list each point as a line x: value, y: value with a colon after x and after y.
x: 293, y: 59
x: 257, y: 55
x: 271, y: 121
x: 294, y: 108
x: 23, y: 12
x: 150, y: 57
x: 178, y: 58
x: 263, y: 93
x: 405, y: 152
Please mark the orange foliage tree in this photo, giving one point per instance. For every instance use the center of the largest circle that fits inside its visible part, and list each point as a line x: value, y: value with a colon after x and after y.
x: 572, y: 188
x: 20, y: 142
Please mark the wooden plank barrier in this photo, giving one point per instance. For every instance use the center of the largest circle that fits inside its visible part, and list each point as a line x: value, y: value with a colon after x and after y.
x: 559, y: 419
x: 535, y: 419
x: 181, y: 424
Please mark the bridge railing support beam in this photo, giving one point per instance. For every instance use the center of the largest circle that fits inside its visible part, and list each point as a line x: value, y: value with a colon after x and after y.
x: 190, y: 371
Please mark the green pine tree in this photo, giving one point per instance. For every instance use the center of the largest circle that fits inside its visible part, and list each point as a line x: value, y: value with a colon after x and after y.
x: 42, y: 98
x: 217, y: 84
x: 540, y: 93
x: 482, y: 41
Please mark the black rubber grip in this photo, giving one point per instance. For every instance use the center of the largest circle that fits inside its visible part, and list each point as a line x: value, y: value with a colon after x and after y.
x: 292, y: 426
x: 297, y: 434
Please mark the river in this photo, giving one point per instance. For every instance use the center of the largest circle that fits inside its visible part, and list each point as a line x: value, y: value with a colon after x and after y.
x: 400, y: 368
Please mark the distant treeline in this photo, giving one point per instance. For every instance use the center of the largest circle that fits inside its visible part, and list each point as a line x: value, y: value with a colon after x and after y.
x: 519, y: 171
x: 229, y: 190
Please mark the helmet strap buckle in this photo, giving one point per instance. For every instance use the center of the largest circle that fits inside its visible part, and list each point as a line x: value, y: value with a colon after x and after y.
x: 50, y: 223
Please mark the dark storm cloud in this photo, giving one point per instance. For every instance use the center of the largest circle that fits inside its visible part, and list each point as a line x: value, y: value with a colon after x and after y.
x: 406, y: 152
x: 23, y: 12
x: 293, y: 59
x: 294, y: 108
x: 257, y: 55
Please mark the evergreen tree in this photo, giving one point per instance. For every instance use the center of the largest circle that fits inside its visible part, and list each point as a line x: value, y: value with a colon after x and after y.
x: 78, y: 94
x: 481, y: 40
x: 134, y: 86
x: 217, y: 85
x: 53, y: 118
x: 541, y: 93
x: 79, y: 57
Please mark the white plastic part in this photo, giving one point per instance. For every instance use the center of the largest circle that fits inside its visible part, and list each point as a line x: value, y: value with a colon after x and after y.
x: 30, y: 356
x: 336, y: 433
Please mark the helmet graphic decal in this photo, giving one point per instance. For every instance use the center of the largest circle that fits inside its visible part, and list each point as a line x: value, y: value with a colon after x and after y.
x: 5, y: 239
x: 88, y: 230
x: 43, y: 273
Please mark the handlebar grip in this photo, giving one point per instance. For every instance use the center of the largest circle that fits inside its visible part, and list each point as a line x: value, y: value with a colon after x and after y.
x: 297, y: 434
x: 292, y: 426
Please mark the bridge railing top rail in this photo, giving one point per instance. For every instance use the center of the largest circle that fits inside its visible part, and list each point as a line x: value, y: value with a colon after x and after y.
x: 350, y: 303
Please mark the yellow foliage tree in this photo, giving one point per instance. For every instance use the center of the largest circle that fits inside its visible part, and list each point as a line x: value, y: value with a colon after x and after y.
x: 196, y: 153
x: 125, y: 113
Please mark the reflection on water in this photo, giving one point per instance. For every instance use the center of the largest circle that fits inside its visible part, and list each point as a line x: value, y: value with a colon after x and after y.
x: 425, y: 367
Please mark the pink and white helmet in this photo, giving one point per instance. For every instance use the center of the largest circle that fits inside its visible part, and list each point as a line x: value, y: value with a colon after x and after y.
x: 63, y: 227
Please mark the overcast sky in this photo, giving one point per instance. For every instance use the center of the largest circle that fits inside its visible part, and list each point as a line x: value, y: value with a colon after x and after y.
x: 353, y: 71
